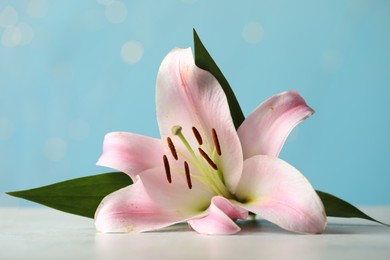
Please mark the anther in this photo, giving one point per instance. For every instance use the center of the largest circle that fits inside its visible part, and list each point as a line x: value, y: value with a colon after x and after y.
x: 172, y: 148
x: 216, y: 141
x: 167, y: 169
x: 204, y: 154
x: 188, y: 176
x: 197, y: 135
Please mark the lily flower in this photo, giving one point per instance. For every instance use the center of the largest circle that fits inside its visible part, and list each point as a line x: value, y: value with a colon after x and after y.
x: 203, y: 171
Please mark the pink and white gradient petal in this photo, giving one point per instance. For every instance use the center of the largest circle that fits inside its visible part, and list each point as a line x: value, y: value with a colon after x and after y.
x: 220, y: 218
x: 130, y: 209
x: 278, y: 192
x: 266, y: 129
x: 131, y: 153
x: 189, y: 96
x: 177, y: 194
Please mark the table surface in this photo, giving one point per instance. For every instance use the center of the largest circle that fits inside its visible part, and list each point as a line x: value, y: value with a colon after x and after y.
x: 43, y: 233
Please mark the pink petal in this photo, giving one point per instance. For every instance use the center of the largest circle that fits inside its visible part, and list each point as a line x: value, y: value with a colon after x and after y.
x: 131, y: 210
x: 131, y: 153
x: 189, y: 96
x: 279, y: 193
x: 219, y: 218
x: 177, y: 194
x: 267, y: 127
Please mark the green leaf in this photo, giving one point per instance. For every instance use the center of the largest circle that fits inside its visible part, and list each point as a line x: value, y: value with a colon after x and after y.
x: 204, y: 61
x: 79, y: 196
x: 336, y: 207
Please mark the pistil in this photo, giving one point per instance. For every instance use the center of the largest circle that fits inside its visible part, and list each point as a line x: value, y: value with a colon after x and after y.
x: 176, y: 130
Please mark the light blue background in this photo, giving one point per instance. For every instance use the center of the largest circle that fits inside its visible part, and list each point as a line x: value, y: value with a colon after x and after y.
x: 64, y: 88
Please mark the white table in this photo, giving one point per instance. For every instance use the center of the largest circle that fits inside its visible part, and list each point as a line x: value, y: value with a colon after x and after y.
x: 43, y: 233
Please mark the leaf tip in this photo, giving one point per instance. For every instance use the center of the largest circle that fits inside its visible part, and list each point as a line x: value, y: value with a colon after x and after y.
x: 11, y: 193
x: 17, y: 194
x: 195, y: 33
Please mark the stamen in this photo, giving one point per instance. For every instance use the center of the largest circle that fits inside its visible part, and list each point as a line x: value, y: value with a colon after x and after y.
x: 197, y: 135
x: 172, y: 148
x: 188, y: 176
x: 167, y: 169
x: 204, y: 154
x: 216, y: 142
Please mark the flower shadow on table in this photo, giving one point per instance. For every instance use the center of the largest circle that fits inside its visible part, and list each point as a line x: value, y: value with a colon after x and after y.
x: 257, y: 238
x: 334, y: 227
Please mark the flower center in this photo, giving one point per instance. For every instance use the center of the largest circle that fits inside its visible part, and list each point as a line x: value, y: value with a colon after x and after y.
x: 205, y: 166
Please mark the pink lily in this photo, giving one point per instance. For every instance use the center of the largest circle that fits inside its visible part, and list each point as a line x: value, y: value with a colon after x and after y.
x: 203, y: 171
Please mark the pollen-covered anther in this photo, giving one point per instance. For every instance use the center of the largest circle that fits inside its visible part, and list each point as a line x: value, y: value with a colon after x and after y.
x: 216, y: 142
x: 208, y: 159
x: 167, y: 169
x: 172, y: 148
x: 188, y: 176
x: 197, y: 135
